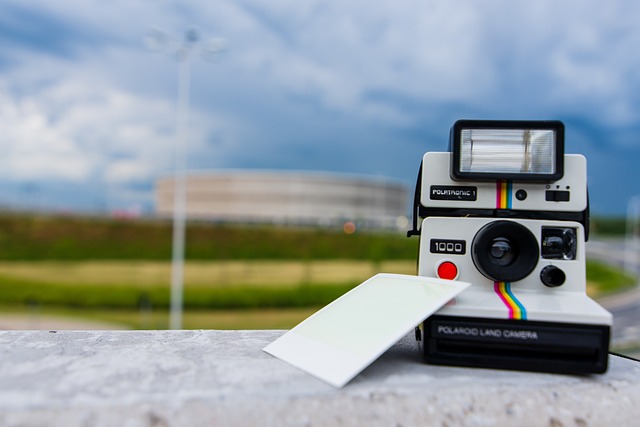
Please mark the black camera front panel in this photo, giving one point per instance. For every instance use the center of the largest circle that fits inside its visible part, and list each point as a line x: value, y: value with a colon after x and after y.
x: 516, y: 344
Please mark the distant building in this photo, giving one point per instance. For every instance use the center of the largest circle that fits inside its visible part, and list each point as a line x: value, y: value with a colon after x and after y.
x: 288, y: 197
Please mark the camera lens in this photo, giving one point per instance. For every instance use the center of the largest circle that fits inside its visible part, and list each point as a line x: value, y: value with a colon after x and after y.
x: 501, y: 251
x: 505, y: 251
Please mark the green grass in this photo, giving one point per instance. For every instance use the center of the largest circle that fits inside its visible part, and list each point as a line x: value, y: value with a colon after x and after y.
x: 34, y: 237
x: 251, y: 277
x: 229, y: 273
x: 212, y: 285
x: 274, y: 284
x: 25, y: 293
x: 608, y: 226
x: 235, y: 306
x: 604, y: 279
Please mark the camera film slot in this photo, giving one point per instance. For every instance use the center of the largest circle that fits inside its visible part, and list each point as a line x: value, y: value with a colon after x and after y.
x: 516, y: 309
x: 448, y: 247
x: 504, y: 197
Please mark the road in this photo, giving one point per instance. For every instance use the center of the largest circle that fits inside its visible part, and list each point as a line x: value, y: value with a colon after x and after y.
x: 624, y: 307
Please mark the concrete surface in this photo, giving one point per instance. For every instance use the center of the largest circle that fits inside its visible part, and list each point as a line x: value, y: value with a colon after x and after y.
x: 186, y: 378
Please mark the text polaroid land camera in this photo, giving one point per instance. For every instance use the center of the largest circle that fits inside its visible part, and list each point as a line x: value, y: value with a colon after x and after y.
x: 507, y: 211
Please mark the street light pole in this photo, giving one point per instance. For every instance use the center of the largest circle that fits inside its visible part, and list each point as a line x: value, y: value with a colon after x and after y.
x: 632, y: 238
x: 159, y: 40
x: 180, y: 181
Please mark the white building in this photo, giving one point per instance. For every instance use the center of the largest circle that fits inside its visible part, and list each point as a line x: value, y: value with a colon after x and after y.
x: 287, y: 197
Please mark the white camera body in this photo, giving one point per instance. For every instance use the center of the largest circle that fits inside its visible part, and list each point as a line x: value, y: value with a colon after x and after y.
x: 441, y: 189
x: 521, y: 245
x: 440, y: 243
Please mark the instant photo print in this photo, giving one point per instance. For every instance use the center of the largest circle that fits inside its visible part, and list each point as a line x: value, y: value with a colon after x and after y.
x: 506, y: 210
x: 343, y: 338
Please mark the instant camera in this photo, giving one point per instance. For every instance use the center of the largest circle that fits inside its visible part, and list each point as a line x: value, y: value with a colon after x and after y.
x: 507, y: 211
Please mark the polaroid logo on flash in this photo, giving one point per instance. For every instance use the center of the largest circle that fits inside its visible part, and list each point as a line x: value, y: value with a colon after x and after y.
x: 453, y: 192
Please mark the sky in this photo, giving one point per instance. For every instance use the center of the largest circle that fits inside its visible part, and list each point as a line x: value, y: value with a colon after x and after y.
x: 88, y: 110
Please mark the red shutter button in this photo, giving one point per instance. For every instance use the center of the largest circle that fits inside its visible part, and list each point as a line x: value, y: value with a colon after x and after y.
x: 447, y: 270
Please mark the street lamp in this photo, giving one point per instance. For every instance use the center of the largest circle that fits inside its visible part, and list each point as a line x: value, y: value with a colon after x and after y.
x: 183, y: 49
x: 632, y: 238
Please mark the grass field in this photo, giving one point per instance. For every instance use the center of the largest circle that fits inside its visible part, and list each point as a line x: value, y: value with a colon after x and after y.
x: 74, y: 238
x: 218, y: 295
x: 146, y: 274
x: 235, y: 276
x: 149, y: 275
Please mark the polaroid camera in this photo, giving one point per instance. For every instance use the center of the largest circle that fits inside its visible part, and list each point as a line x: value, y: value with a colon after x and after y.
x: 507, y: 211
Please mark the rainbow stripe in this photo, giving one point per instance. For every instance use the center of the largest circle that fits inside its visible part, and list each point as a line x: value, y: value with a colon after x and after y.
x: 516, y: 309
x: 504, y: 200
x: 503, y: 194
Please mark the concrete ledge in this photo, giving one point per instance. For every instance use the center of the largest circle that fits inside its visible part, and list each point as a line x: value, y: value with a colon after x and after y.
x: 160, y: 378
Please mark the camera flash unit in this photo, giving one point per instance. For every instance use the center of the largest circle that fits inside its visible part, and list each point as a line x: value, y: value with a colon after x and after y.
x: 508, y: 150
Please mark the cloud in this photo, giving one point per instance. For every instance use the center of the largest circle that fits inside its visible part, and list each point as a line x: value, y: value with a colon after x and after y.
x: 353, y: 86
x: 32, y: 146
x: 78, y: 131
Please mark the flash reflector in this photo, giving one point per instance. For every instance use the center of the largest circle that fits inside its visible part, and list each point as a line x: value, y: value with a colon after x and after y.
x: 510, y: 150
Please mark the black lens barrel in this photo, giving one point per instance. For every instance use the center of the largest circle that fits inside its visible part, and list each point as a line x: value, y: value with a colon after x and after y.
x: 505, y: 251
